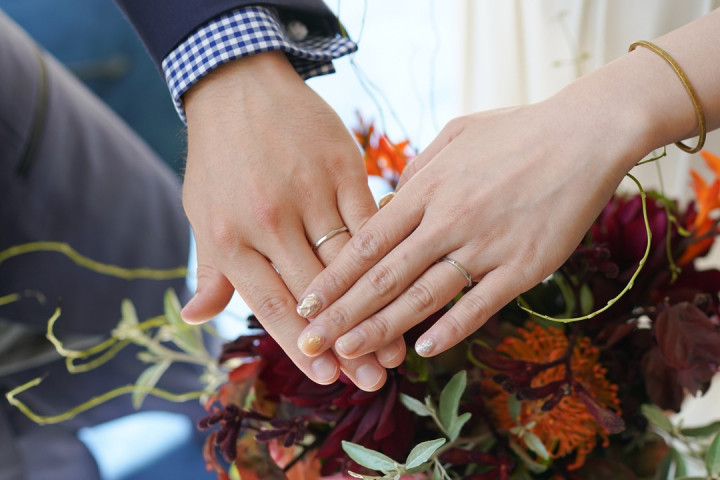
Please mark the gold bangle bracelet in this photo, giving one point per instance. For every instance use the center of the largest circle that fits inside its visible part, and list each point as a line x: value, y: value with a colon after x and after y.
x: 688, y: 87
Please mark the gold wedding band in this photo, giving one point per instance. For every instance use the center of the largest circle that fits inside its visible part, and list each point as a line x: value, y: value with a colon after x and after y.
x: 459, y: 268
x: 328, y: 236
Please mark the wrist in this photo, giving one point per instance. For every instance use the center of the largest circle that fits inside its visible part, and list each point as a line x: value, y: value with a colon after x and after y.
x: 636, y: 104
x: 231, y: 87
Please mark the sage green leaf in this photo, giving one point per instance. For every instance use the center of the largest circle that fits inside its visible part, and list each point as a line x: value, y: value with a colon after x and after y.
x: 587, y: 300
x: 457, y: 425
x: 148, y: 379
x: 364, y: 477
x: 530, y: 464
x: 128, y: 317
x: 657, y: 417
x: 704, y: 431
x: 418, y: 365
x: 422, y: 452
x: 712, y: 459
x: 420, y: 468
x: 369, y: 458
x: 185, y: 336
x: 514, y: 407
x: 662, y: 472
x: 680, y: 466
x: 534, y: 443
x: 415, y: 406
x: 450, y: 399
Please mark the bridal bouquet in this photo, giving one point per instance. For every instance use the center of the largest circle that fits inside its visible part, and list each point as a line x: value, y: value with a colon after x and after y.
x: 531, y: 395
x: 525, y: 396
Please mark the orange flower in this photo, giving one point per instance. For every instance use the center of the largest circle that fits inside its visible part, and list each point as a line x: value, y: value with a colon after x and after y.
x: 707, y: 199
x: 382, y: 157
x: 569, y: 426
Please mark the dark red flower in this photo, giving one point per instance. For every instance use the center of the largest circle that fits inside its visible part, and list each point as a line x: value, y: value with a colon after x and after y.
x: 376, y: 420
x: 687, y: 355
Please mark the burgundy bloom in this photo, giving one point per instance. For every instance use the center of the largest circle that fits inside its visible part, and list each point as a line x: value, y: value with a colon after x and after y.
x: 687, y: 355
x: 376, y: 420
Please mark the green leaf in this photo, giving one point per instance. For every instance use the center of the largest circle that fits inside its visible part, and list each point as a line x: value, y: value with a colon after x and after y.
x: 662, y: 472
x: 437, y: 473
x: 680, y: 467
x: 415, y: 406
x: 418, y: 365
x: 712, y: 460
x: 534, y: 443
x: 530, y: 464
x: 148, y: 379
x: 457, y: 425
x: 657, y: 417
x: 369, y: 458
x: 704, y: 431
x: 185, y: 336
x: 514, y: 407
x: 422, y: 452
x: 450, y: 398
x: 420, y: 468
x: 364, y: 477
x: 587, y: 300
x: 128, y: 317
x: 233, y: 472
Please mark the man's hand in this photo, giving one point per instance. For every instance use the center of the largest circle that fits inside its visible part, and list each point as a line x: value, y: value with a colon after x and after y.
x: 270, y: 170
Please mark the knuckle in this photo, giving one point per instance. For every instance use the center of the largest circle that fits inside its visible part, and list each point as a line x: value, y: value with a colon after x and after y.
x: 221, y: 233
x: 476, y: 307
x: 366, y: 246
x: 333, y: 281
x: 421, y: 297
x: 455, y: 126
x: 338, y: 317
x: 378, y: 328
x: 381, y: 279
x: 454, y: 327
x: 273, y: 308
x: 465, y: 317
x: 267, y: 216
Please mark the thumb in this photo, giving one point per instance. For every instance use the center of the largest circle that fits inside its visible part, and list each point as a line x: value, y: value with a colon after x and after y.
x: 213, y: 293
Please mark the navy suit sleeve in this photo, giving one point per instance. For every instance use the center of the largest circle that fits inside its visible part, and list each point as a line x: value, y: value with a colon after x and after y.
x: 163, y: 24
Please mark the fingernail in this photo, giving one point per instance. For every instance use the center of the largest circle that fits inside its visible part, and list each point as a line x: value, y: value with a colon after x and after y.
x: 324, y: 369
x: 349, y: 343
x: 311, y: 341
x: 388, y: 353
x: 368, y: 376
x: 385, y: 199
x: 309, y: 306
x: 425, y: 347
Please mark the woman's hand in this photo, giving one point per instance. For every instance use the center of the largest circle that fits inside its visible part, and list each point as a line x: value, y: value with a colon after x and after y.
x: 270, y: 170
x: 507, y: 194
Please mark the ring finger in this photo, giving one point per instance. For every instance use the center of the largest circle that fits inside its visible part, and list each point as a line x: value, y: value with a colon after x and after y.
x: 377, y: 288
x: 297, y: 264
x: 428, y: 294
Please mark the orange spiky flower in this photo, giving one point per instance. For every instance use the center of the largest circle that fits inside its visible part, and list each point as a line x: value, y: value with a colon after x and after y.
x: 382, y: 157
x: 707, y: 200
x: 567, y: 422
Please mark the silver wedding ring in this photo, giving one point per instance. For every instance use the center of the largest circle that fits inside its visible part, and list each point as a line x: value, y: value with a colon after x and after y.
x: 328, y: 236
x: 459, y: 268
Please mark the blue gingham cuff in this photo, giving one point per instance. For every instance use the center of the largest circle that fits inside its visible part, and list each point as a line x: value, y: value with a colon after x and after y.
x: 243, y: 32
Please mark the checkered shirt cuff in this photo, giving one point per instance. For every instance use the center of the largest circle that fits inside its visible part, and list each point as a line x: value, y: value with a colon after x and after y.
x: 243, y: 32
